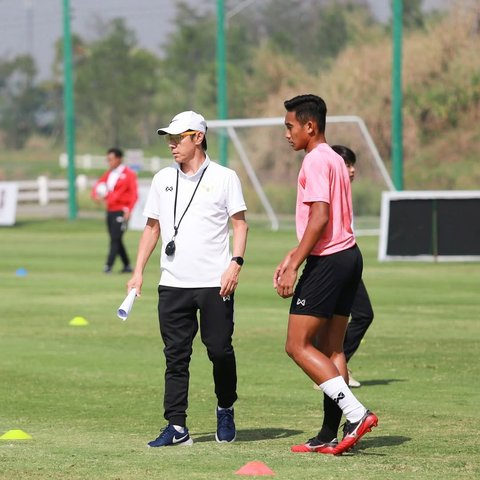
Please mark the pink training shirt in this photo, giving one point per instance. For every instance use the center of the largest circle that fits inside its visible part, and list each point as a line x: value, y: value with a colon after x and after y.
x: 324, y: 177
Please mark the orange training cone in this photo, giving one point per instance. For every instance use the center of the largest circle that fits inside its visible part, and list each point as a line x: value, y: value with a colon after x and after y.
x: 255, y: 468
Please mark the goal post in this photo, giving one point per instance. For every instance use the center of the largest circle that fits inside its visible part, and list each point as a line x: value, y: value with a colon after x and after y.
x: 232, y: 125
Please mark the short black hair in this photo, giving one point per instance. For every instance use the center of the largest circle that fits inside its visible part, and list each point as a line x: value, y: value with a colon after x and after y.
x: 116, y: 151
x: 348, y: 155
x: 308, y: 107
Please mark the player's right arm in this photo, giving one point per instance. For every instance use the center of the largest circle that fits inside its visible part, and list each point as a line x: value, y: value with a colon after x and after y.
x: 147, y: 244
x: 286, y: 273
x: 281, y: 267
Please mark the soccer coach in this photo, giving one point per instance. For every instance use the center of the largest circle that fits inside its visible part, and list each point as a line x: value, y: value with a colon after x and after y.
x: 190, y: 206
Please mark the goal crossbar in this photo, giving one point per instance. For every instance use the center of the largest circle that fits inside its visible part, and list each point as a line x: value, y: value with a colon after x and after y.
x: 230, y: 124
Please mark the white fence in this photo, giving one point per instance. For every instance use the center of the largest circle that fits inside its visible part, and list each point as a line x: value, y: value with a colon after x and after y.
x: 44, y: 191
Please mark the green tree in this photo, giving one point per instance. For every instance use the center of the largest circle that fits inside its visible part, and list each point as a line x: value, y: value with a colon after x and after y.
x: 20, y: 100
x: 114, y: 86
x: 188, y: 67
x: 54, y: 86
x: 311, y: 32
x: 314, y: 32
x: 189, y: 56
x: 412, y: 14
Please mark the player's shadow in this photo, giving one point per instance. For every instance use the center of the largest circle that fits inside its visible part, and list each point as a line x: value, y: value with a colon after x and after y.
x: 252, y: 434
x: 384, y: 381
x: 367, y: 443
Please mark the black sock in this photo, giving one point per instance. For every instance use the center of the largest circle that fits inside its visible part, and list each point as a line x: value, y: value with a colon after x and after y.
x: 331, y: 420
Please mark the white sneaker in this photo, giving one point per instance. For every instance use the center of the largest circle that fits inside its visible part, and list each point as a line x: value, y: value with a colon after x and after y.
x: 352, y: 383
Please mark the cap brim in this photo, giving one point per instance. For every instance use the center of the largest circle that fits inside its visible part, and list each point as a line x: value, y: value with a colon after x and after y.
x: 174, y: 128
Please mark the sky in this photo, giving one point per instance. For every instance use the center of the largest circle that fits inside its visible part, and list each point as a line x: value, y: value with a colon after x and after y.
x: 33, y: 26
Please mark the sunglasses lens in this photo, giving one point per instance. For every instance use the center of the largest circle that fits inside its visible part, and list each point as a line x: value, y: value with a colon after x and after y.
x: 176, y: 139
x: 173, y: 139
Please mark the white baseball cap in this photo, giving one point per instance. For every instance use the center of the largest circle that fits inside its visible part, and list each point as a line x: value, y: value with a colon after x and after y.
x: 184, y: 121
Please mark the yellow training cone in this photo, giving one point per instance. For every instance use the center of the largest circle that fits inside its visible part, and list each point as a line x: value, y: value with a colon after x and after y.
x: 78, y: 322
x: 15, y: 435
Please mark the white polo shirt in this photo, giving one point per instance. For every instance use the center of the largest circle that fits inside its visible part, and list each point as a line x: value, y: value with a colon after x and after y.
x: 202, y: 251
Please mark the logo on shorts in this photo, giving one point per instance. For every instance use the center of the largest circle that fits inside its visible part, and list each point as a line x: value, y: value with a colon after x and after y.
x: 226, y: 299
x: 301, y: 302
x: 169, y: 189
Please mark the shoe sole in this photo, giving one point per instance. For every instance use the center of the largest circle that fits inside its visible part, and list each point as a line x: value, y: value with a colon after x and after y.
x: 307, y: 449
x: 347, y: 443
x: 187, y: 443
x: 224, y: 441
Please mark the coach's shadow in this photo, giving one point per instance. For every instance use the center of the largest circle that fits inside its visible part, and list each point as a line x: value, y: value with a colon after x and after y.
x: 252, y: 434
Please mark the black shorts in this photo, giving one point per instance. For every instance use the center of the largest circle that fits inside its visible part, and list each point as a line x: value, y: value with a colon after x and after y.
x: 328, y: 284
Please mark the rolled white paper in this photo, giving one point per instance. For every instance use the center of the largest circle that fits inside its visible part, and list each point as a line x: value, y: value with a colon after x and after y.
x: 127, y: 304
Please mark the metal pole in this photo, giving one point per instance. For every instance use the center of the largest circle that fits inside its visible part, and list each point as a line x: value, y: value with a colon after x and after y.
x: 222, y: 103
x: 69, y: 111
x: 397, y: 100
x: 253, y: 178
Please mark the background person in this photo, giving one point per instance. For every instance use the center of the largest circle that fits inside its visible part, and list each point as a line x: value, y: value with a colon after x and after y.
x: 117, y: 187
x: 323, y: 297
x: 361, y: 315
x: 189, y: 206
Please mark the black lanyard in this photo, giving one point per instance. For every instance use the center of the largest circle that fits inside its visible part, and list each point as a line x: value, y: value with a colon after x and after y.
x: 175, y: 228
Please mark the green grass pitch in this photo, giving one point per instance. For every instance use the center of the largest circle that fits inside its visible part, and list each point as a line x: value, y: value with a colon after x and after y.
x: 91, y: 397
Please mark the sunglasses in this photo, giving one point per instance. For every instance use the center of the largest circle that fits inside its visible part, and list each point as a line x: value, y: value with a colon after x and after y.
x: 176, y: 139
